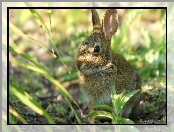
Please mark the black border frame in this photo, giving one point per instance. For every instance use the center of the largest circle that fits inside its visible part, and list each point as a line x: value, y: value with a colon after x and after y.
x: 8, y: 8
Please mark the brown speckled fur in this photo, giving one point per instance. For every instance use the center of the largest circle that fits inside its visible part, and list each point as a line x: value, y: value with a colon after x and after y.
x: 98, y: 72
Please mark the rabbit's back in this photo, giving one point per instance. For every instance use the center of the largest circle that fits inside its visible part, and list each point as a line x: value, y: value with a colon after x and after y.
x: 127, y: 77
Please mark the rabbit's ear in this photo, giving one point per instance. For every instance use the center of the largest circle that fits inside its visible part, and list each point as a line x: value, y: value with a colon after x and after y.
x: 110, y: 22
x: 95, y: 21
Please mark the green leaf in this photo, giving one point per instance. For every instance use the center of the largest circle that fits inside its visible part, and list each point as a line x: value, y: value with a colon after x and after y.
x: 113, y: 91
x: 100, y: 113
x: 116, y: 100
x: 114, y: 97
x: 105, y: 107
x: 127, y: 97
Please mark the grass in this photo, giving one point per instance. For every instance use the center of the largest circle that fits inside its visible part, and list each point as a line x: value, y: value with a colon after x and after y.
x: 60, y: 37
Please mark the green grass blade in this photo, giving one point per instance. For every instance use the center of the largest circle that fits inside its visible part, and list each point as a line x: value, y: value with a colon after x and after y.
x: 39, y: 68
x: 41, y: 22
x: 15, y: 113
x: 11, y: 119
x: 24, y: 36
x: 78, y: 119
x: 43, y: 73
x: 29, y: 101
x: 15, y: 50
x: 46, y: 74
x: 49, y: 14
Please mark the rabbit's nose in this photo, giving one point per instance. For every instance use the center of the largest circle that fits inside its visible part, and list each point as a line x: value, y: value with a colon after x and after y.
x: 80, y: 63
x: 77, y: 64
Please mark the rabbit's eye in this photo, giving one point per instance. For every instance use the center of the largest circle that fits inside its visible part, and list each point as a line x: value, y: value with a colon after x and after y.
x: 97, y: 49
x: 85, y: 42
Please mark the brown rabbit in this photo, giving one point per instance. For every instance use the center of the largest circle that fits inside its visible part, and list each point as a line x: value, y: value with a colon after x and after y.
x: 99, y: 69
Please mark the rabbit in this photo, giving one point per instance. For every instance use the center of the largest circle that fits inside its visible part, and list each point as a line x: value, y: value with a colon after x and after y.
x: 99, y: 68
